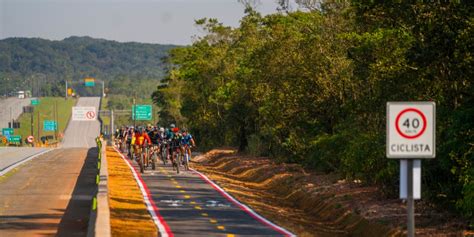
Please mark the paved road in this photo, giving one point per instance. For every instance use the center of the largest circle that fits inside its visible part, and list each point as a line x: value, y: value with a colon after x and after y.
x: 50, y: 195
x: 192, y: 207
x: 83, y: 133
x: 9, y: 156
x: 16, y: 106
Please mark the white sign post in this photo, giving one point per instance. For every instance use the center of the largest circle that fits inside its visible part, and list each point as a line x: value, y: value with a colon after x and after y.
x: 411, y: 136
x: 84, y: 114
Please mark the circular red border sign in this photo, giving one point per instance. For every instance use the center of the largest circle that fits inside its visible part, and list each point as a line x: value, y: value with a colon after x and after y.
x: 90, y: 114
x: 411, y: 110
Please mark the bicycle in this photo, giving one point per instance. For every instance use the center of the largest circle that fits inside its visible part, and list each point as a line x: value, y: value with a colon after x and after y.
x: 186, y: 156
x: 175, y: 159
x: 164, y: 151
x: 154, y: 150
x: 139, y: 156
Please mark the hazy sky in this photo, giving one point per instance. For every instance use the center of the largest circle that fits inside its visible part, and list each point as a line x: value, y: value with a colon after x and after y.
x: 151, y: 21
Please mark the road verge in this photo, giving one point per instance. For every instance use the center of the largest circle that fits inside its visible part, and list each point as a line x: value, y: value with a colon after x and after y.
x: 131, y: 207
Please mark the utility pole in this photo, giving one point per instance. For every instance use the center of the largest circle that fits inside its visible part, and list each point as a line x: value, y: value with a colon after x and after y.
x: 56, y: 120
x: 31, y: 117
x: 38, y: 124
x: 66, y: 90
x: 112, y: 122
x: 134, y: 114
x: 103, y: 90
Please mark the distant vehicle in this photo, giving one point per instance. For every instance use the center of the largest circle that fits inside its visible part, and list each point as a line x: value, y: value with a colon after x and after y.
x: 24, y: 94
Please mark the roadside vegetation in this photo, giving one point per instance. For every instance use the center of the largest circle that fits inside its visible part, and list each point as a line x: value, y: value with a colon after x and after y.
x: 46, y: 109
x: 310, y: 87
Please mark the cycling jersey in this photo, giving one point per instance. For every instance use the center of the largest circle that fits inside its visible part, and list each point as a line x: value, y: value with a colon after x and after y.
x: 169, y: 135
x: 140, y: 139
x: 186, y: 140
x: 155, y: 138
x: 176, y: 140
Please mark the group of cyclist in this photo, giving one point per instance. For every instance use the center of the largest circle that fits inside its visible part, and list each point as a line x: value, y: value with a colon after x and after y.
x: 147, y: 143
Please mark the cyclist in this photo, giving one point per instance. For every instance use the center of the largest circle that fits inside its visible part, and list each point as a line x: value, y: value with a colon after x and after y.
x: 169, y: 136
x: 155, y: 142
x: 141, y: 140
x: 163, y: 143
x: 175, y: 143
x: 188, y: 142
x: 129, y: 136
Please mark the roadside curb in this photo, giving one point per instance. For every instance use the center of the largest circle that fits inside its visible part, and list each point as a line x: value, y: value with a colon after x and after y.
x: 99, y: 221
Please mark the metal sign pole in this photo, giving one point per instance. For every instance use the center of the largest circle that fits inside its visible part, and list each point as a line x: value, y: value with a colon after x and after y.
x: 112, y: 122
x: 410, y: 201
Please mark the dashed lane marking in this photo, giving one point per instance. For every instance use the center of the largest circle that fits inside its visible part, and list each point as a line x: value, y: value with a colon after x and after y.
x: 197, y: 207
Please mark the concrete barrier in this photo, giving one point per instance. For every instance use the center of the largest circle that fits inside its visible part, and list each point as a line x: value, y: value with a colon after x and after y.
x: 99, y: 222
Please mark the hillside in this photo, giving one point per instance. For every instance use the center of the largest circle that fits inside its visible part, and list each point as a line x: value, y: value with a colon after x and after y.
x: 26, y: 63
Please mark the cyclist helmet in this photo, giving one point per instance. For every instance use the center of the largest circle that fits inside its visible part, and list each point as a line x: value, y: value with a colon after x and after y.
x: 162, y: 129
x: 172, y: 125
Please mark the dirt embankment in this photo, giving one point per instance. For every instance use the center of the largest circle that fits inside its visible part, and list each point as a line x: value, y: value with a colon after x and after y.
x: 312, y: 204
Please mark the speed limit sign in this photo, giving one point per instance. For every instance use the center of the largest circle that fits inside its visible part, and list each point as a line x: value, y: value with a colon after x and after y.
x: 411, y: 130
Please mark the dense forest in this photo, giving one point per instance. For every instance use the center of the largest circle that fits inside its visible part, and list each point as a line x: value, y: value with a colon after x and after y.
x: 42, y: 65
x: 311, y: 87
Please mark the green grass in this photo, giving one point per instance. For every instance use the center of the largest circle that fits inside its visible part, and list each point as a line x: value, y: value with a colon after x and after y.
x: 46, y: 112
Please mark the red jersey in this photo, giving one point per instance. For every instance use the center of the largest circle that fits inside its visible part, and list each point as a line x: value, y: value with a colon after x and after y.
x: 140, y: 139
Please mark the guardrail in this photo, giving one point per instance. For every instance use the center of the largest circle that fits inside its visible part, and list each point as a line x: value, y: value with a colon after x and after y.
x: 99, y: 222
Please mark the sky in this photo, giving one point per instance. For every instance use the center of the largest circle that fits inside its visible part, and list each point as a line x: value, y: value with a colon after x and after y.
x: 148, y: 21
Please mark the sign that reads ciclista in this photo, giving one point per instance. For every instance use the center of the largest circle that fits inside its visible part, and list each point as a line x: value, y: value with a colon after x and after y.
x: 411, y: 130
x: 84, y: 114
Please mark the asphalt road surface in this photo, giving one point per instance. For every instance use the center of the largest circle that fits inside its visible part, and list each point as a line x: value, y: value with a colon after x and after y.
x: 49, y: 195
x: 190, y: 206
x: 10, y: 156
x: 52, y: 194
x: 13, y: 105
x: 83, y: 133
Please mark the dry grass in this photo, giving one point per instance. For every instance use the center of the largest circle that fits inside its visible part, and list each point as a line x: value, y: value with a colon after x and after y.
x: 128, y: 213
x: 312, y: 204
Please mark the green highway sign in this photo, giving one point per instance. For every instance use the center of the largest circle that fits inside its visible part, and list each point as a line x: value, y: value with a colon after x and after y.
x: 14, y: 139
x: 90, y: 83
x: 143, y: 112
x: 7, y: 132
x: 35, y: 102
x: 49, y: 125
